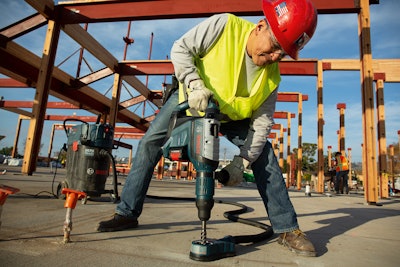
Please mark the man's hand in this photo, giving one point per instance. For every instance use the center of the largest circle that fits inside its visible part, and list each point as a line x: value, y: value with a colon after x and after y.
x: 199, y: 95
x: 235, y: 170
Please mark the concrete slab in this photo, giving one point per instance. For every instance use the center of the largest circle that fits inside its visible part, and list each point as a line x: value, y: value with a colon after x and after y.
x: 345, y: 231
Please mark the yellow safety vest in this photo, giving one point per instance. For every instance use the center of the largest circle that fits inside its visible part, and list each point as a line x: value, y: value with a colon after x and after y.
x: 220, y: 69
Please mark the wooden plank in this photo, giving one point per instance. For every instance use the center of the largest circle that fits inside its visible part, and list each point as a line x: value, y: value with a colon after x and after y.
x: 24, y: 26
x: 320, y: 125
x: 18, y: 111
x: 369, y: 136
x: 42, y: 93
x: 116, y: 94
x: 390, y: 67
x: 382, y: 159
x: 96, y: 76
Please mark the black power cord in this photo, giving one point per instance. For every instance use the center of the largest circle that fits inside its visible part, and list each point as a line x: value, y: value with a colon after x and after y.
x: 233, y: 216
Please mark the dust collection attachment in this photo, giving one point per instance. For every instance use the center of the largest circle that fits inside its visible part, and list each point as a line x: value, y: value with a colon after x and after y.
x: 88, y: 159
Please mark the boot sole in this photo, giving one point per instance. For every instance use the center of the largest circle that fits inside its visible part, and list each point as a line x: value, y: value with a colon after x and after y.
x: 115, y: 229
x: 298, y: 252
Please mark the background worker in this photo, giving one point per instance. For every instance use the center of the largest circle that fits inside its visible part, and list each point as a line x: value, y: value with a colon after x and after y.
x: 342, y: 174
x: 332, y: 175
x: 236, y: 62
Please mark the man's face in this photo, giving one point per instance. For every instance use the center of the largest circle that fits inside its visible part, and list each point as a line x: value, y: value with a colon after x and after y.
x: 265, y: 50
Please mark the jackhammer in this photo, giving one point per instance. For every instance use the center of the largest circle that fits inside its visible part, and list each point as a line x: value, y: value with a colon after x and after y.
x: 196, y: 139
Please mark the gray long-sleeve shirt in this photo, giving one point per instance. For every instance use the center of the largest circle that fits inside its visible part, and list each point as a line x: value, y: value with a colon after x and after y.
x: 196, y: 43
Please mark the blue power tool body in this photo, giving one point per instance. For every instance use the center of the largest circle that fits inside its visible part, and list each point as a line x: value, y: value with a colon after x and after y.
x: 196, y: 139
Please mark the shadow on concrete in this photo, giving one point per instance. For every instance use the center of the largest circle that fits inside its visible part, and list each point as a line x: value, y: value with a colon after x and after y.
x: 344, y: 220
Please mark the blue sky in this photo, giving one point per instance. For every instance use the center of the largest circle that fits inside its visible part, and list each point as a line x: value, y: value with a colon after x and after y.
x: 336, y: 37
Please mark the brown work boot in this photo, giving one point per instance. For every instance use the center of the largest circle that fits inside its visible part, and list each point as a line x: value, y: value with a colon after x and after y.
x: 297, y: 242
x: 117, y: 223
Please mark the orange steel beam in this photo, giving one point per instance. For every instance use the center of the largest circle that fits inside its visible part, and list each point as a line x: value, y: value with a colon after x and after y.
x: 103, y: 11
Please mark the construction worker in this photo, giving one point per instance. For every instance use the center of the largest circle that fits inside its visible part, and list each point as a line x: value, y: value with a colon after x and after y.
x: 342, y: 174
x: 236, y: 62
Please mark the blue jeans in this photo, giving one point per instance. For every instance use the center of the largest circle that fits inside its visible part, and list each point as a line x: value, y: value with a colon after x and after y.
x: 266, y: 171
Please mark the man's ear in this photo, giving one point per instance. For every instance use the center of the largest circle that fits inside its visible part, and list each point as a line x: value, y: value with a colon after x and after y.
x: 261, y: 24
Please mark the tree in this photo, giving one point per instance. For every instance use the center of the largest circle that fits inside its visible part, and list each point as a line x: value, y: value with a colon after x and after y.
x: 6, y: 151
x: 308, y: 160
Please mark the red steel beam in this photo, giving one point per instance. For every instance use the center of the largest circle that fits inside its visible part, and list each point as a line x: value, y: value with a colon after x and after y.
x: 29, y: 104
x: 105, y: 11
x: 379, y: 76
x: 290, y: 97
x: 282, y: 97
x: 131, y: 130
x: 115, y: 142
x: 118, y: 135
x: 277, y: 115
x: 276, y: 126
x: 283, y: 115
x: 11, y: 83
x: 64, y: 117
x: 305, y: 67
x: 118, y: 129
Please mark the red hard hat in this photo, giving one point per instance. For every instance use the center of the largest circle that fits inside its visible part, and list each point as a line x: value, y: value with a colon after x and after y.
x: 293, y: 23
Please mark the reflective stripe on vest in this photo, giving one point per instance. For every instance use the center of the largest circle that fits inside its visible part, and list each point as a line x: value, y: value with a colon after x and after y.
x: 342, y: 164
